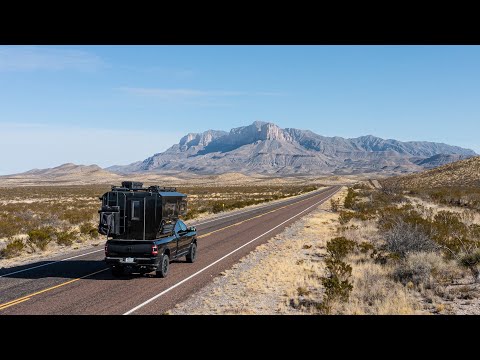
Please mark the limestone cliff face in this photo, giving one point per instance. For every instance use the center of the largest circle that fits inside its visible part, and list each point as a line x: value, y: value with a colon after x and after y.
x: 203, y: 139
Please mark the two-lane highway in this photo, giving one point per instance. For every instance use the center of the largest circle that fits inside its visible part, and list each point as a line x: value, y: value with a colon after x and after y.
x: 82, y: 284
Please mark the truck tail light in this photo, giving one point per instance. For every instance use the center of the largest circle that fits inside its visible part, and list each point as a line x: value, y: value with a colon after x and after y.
x: 106, y: 249
x: 154, y: 250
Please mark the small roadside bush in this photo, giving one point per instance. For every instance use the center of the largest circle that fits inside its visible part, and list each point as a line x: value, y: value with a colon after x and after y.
x: 193, y: 212
x: 9, y: 225
x: 334, y: 204
x: 13, y: 248
x: 346, y: 216
x: 89, y: 230
x: 218, y: 207
x: 404, y: 238
x: 40, y: 238
x: 339, y: 247
x: 471, y: 261
x: 65, y: 238
x: 349, y: 202
x: 336, y: 282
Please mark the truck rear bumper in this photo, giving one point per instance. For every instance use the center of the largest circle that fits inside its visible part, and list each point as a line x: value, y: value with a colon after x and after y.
x: 132, y: 261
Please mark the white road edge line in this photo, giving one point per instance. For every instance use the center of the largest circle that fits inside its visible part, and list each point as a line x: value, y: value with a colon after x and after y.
x: 223, y: 257
x: 92, y: 252
x: 50, y: 263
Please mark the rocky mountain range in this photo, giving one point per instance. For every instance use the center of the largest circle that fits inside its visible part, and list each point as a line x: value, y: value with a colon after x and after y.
x: 265, y: 148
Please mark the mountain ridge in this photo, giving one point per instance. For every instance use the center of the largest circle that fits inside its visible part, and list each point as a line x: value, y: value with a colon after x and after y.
x: 264, y: 147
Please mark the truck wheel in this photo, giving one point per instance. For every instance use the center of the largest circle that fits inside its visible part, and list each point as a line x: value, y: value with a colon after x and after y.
x: 162, y: 269
x: 192, y: 254
x: 117, y: 271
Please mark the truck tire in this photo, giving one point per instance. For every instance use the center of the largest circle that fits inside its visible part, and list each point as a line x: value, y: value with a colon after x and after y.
x: 192, y: 254
x: 162, y: 269
x: 117, y: 271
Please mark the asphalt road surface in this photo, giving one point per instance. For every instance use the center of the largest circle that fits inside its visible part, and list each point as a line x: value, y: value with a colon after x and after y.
x: 80, y: 283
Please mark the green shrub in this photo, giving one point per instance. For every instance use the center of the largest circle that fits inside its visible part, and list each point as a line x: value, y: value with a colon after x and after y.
x: 218, y: 207
x: 339, y: 247
x: 65, y: 238
x: 193, y: 212
x: 13, y: 248
x: 336, y: 282
x: 334, y: 204
x: 346, y: 216
x: 9, y: 225
x: 349, y: 202
x: 365, y: 247
x: 449, y: 231
x: 89, y: 230
x: 471, y: 261
x: 40, y: 238
x: 93, y: 233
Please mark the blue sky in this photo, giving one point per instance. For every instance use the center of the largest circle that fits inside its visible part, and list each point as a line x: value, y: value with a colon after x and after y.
x: 118, y: 104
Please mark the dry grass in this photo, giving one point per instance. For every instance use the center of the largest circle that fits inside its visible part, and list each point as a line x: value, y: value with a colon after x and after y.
x: 374, y: 292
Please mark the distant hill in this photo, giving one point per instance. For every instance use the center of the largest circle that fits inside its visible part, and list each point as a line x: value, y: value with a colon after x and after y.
x: 72, y: 174
x: 64, y: 174
x: 265, y: 148
x: 66, y: 170
x: 460, y: 173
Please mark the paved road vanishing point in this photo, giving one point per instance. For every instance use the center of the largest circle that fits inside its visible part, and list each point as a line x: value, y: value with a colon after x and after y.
x: 82, y: 284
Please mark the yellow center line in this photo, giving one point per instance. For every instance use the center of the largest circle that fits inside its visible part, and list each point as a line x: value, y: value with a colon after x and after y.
x: 14, y: 303
x: 27, y: 297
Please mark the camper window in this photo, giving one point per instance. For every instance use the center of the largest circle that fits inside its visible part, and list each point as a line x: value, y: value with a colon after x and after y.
x: 183, y: 206
x: 135, y: 210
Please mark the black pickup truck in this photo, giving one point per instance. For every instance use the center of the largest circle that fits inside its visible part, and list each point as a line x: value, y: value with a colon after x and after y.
x: 144, y: 256
x: 143, y: 228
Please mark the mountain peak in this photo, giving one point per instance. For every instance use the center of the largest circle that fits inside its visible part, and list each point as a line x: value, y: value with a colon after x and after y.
x: 200, y: 139
x: 258, y: 131
x: 259, y: 123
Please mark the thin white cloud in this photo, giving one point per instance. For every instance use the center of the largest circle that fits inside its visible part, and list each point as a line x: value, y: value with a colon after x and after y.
x: 183, y: 94
x: 31, y: 58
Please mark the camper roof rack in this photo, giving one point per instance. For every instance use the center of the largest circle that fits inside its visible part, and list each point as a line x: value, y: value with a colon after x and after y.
x: 138, y: 186
x: 157, y: 188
